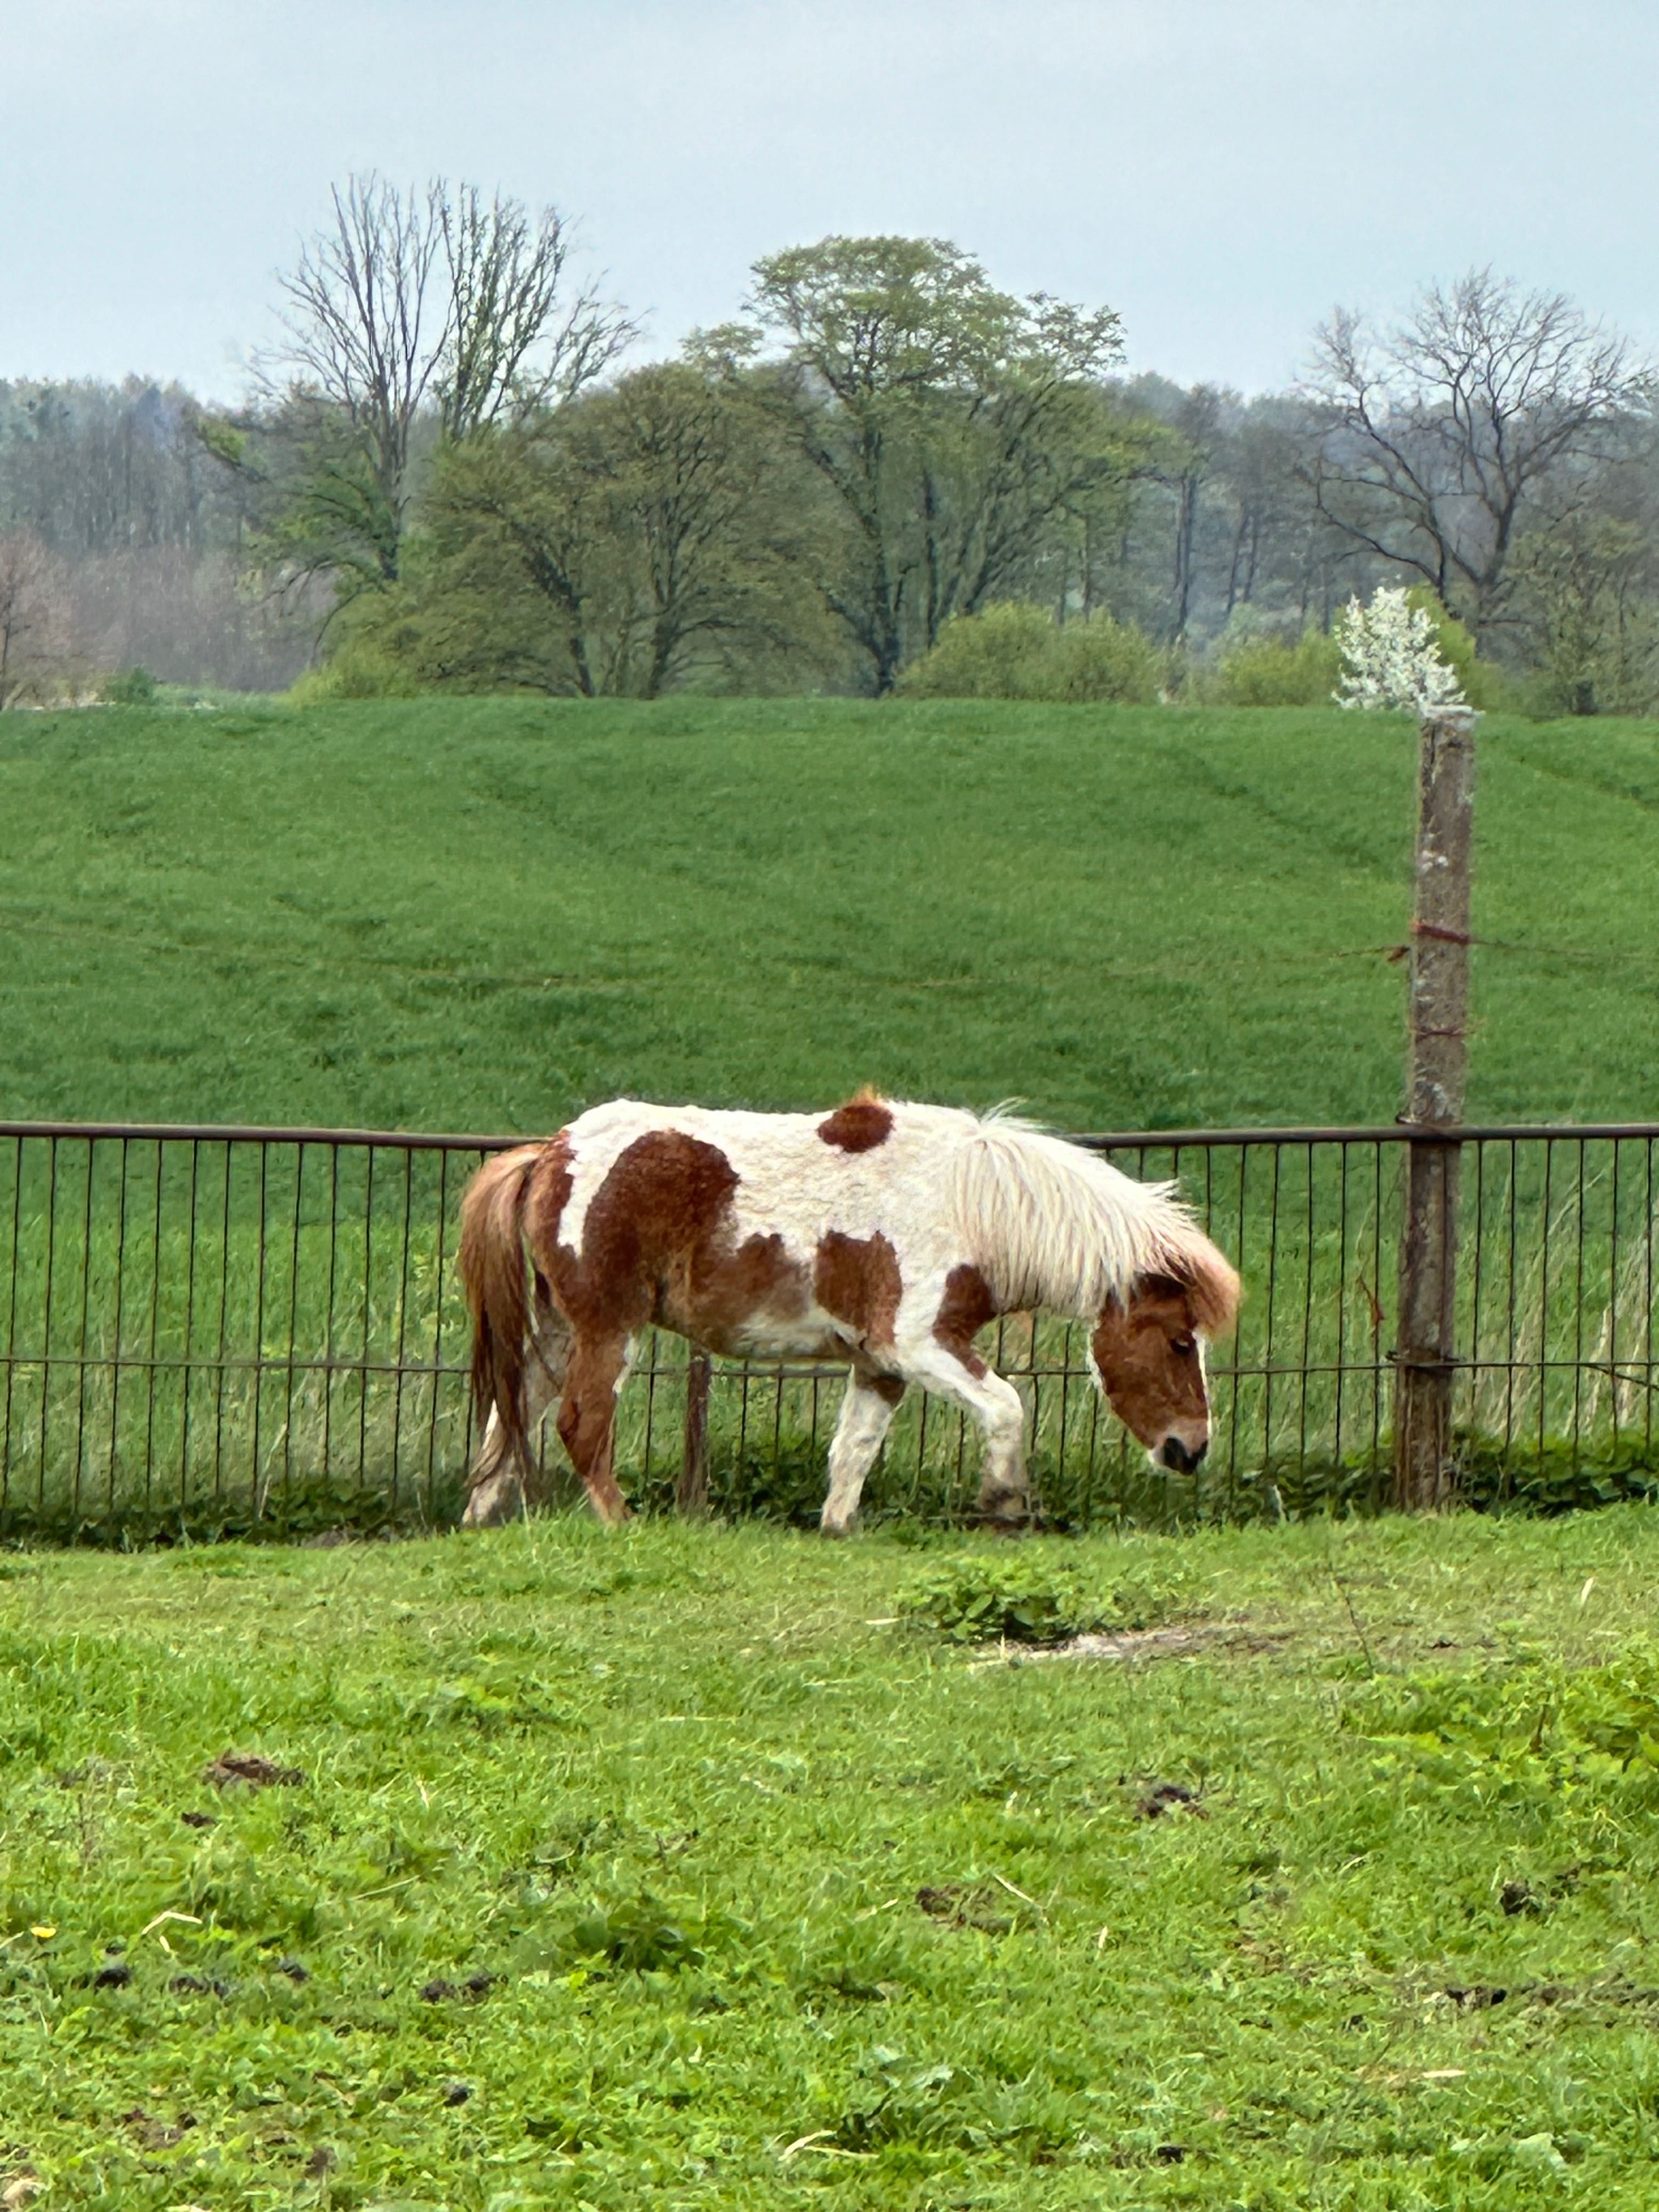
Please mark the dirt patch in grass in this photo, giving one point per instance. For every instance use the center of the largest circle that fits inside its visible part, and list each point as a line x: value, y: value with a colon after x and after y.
x: 252, y: 1769
x: 1132, y: 1644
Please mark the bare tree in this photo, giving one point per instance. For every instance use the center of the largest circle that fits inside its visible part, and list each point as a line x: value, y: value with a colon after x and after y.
x: 365, y: 332
x: 36, y: 644
x: 428, y: 301
x: 515, y: 343
x: 1439, y: 434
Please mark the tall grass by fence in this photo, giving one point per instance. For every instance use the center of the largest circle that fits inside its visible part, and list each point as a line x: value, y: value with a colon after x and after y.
x: 218, y: 1329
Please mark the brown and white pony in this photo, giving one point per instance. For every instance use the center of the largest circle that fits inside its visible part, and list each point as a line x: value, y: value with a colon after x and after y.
x: 883, y: 1236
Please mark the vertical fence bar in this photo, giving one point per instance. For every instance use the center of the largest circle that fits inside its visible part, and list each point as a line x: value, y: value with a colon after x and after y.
x: 1511, y: 1341
x: 438, y: 1340
x: 155, y: 1318
x: 402, y: 1326
x: 692, y: 1491
x: 45, y: 1316
x: 80, y: 1352
x: 1613, y: 1297
x: 115, y: 1356
x: 188, y: 1373
x: 368, y: 1258
x: 328, y: 1314
x: 224, y: 1326
x: 18, y: 1144
x: 1647, y: 1302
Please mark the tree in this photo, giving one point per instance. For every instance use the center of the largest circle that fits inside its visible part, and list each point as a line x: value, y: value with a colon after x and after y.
x: 425, y: 305
x: 1585, y: 593
x: 36, y: 643
x: 633, y: 539
x: 954, y: 425
x: 1441, y: 436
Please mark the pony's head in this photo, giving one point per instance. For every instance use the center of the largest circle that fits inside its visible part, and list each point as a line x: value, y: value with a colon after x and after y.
x: 1148, y: 1351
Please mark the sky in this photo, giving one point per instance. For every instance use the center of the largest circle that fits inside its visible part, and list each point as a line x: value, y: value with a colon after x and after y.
x: 1221, y: 172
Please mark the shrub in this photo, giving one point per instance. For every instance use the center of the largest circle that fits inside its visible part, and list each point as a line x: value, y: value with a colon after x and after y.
x: 132, y: 687
x: 1481, y: 684
x: 1001, y: 653
x: 1106, y: 660
x: 973, y: 1599
x: 359, y: 669
x: 1017, y: 650
x: 1270, y: 672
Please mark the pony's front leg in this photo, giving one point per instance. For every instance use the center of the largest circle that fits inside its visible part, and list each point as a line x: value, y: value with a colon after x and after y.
x: 498, y: 1486
x: 587, y: 1419
x: 962, y: 1375
x: 867, y: 1413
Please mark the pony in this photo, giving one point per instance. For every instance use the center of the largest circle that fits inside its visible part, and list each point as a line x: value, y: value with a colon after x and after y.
x: 883, y: 1236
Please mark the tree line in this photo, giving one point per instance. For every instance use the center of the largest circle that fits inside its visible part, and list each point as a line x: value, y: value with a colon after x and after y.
x: 452, y: 472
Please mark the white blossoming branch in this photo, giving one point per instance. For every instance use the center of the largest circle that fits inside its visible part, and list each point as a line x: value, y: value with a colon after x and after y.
x: 1391, y: 656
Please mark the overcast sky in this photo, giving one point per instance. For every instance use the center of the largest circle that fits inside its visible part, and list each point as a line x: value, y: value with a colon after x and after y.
x: 1219, y: 171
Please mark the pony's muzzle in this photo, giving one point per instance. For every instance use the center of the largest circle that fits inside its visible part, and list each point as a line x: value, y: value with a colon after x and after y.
x: 1178, y: 1458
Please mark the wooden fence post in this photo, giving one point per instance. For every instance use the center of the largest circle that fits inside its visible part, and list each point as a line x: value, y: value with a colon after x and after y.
x: 692, y: 1491
x: 1436, y: 1060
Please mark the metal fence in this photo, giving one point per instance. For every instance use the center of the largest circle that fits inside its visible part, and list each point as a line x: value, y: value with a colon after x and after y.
x: 217, y: 1329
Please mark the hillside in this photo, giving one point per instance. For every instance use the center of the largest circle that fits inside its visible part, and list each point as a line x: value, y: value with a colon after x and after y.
x: 480, y: 914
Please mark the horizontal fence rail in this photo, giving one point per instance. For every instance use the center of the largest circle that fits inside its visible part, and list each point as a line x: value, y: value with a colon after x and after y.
x: 217, y: 1330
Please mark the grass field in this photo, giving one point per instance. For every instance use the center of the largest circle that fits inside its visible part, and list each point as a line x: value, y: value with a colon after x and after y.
x: 485, y: 912
x: 671, y: 1868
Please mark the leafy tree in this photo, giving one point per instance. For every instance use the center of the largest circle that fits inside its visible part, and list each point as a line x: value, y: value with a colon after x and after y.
x: 1585, y: 590
x: 639, y: 538
x: 955, y: 426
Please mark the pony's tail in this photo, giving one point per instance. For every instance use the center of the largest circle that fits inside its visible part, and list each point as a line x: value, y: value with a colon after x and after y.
x: 493, y: 1273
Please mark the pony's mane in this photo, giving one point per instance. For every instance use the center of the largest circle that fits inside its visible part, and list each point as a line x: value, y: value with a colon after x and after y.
x: 1053, y: 1226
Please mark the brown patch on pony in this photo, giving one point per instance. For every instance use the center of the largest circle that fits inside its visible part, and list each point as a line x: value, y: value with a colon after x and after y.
x: 657, y: 1246
x: 964, y: 1310
x: 889, y: 1388
x: 729, y: 1288
x: 492, y: 1270
x: 857, y: 1279
x: 859, y: 1126
x: 1149, y: 1363
x: 658, y: 1213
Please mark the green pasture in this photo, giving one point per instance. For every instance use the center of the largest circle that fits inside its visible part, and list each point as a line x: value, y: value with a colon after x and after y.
x: 485, y: 912
x: 675, y: 1867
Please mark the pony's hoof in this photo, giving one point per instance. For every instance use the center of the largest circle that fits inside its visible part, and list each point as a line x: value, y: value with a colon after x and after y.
x: 496, y: 1500
x: 1008, y: 1512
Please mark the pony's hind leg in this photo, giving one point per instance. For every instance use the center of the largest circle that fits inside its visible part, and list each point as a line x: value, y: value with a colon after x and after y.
x: 498, y: 1485
x: 587, y: 1417
x: 867, y: 1413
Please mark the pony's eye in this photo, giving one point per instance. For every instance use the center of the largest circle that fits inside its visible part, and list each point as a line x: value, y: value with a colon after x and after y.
x: 1183, y: 1345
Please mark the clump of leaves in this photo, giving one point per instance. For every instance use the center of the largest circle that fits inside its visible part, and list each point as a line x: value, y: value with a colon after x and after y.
x: 638, y: 1934
x: 130, y: 687
x: 1026, y: 1599
x: 1534, y: 1722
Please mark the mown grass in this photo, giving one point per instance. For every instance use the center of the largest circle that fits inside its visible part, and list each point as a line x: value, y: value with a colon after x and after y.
x: 672, y: 1868
x: 487, y: 913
